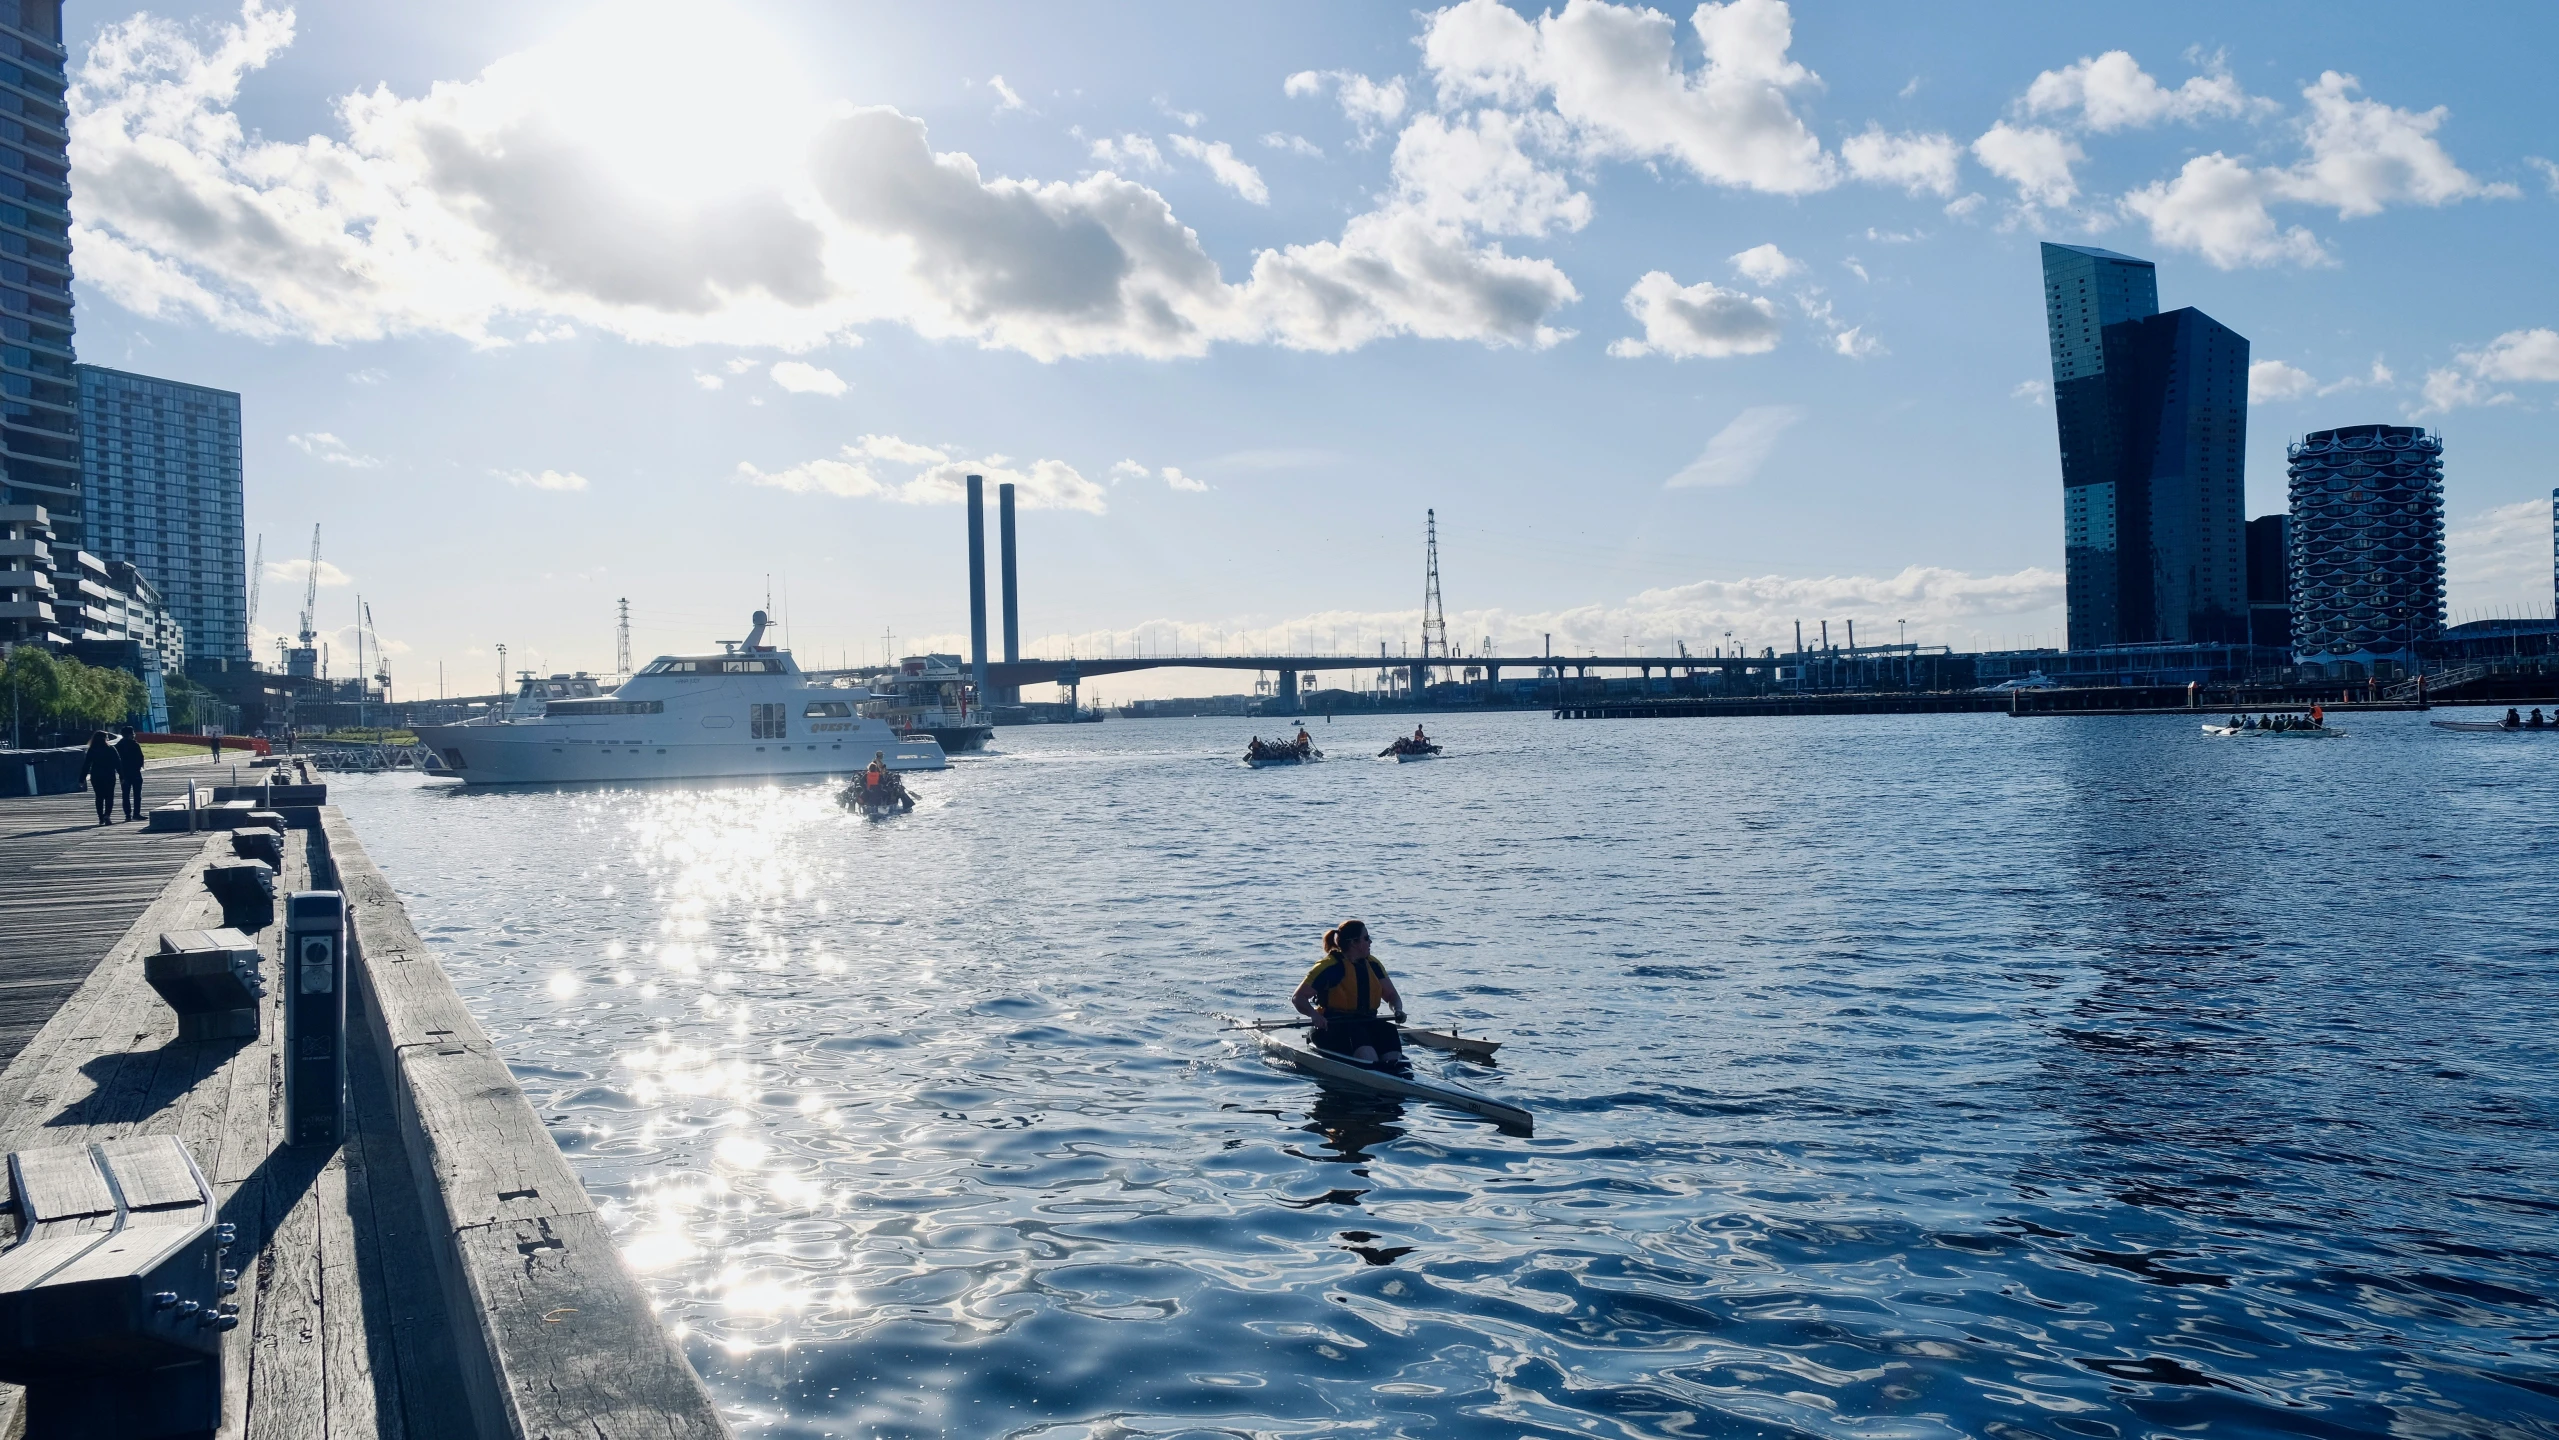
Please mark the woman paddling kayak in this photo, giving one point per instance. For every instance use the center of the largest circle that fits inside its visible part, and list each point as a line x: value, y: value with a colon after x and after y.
x: 1341, y: 993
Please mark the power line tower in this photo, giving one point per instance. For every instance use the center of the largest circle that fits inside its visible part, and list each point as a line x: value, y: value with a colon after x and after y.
x: 622, y: 642
x: 1434, y: 623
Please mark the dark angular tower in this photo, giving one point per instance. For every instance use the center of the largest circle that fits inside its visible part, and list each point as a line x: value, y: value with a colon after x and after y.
x: 2152, y: 411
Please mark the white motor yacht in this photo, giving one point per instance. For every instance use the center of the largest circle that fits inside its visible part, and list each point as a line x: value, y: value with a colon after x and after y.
x: 746, y: 712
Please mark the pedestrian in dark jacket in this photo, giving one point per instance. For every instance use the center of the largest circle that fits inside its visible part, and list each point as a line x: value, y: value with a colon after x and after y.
x: 129, y: 770
x: 100, y: 769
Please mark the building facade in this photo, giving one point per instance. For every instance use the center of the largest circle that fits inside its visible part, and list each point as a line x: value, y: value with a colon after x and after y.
x: 2367, y: 549
x: 160, y: 462
x: 2152, y: 415
x: 2270, y: 581
x: 39, y: 396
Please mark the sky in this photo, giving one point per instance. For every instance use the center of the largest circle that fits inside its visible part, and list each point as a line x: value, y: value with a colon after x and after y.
x: 1688, y: 325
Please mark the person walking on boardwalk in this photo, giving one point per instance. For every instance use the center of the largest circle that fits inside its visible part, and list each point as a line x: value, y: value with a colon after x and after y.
x: 1341, y: 993
x: 129, y: 770
x: 100, y: 768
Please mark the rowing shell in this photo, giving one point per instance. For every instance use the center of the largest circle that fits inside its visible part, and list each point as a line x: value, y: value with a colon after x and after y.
x: 2307, y: 732
x: 1451, y: 1042
x: 1286, y: 1050
x: 2484, y: 726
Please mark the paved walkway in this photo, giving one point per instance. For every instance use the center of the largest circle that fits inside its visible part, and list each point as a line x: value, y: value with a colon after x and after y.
x: 70, y: 887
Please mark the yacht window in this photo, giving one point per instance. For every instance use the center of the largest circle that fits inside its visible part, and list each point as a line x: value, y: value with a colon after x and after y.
x: 672, y: 667
x: 828, y: 710
x: 767, y: 722
x: 608, y: 707
x: 735, y: 666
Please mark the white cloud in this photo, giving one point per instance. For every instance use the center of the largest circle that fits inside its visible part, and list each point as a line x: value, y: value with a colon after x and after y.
x: 2517, y: 355
x: 1475, y: 171
x: 739, y: 364
x: 2271, y: 380
x: 1006, y: 99
x: 2035, y: 160
x: 1855, y: 343
x: 328, y: 449
x: 370, y: 375
x: 1700, y: 321
x: 1293, y: 144
x: 707, y: 380
x: 2549, y: 171
x: 556, y: 189
x: 1739, y: 449
x: 2216, y: 207
x: 1129, y: 152
x: 543, y: 479
x: 1765, y: 264
x: 1368, y: 105
x: 1172, y: 477
x: 1227, y: 170
x: 1920, y: 164
x: 805, y: 379
x: 2362, y: 157
x: 292, y: 572
x: 1614, y: 75
x: 2113, y: 92
x: 2033, y: 392
x: 885, y: 467
x: 2452, y: 390
x: 2499, y: 559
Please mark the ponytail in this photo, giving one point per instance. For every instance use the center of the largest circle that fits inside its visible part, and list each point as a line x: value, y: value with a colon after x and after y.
x: 1348, y: 933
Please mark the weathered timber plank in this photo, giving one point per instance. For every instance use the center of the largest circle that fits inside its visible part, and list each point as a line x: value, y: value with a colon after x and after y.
x: 286, y: 1388
x: 351, y: 1327
x: 483, y: 1144
x: 577, y: 1357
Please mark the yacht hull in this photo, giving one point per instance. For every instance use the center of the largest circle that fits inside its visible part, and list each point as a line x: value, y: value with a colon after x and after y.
x: 562, y: 753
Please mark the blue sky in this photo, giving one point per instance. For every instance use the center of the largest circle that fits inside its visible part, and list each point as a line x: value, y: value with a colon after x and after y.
x: 1686, y: 322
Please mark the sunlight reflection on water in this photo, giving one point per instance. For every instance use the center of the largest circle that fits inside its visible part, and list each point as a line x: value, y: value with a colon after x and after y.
x: 1909, y: 1076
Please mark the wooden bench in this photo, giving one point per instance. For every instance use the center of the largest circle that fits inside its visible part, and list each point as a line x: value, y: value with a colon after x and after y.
x: 111, y: 1308
x: 213, y: 979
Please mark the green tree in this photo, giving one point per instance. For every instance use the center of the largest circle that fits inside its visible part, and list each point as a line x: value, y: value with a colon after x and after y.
x: 45, y: 692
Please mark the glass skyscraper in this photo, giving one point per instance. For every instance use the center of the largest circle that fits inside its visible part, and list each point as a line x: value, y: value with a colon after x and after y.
x: 161, y: 466
x: 2152, y: 411
x: 2367, y: 548
x: 39, y: 436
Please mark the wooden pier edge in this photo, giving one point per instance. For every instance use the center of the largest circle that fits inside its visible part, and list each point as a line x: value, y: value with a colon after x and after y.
x: 554, y: 1337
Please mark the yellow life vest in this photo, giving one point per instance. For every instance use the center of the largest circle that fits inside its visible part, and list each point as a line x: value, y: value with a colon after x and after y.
x: 1345, y: 986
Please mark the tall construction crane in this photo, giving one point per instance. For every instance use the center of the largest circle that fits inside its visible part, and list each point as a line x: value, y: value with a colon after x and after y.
x: 257, y: 582
x: 304, y: 659
x: 381, y: 665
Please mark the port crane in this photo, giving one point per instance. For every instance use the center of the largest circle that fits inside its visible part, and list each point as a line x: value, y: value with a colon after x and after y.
x: 304, y: 660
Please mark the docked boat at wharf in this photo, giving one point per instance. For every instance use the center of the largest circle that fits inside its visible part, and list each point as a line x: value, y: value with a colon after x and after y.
x: 2513, y: 724
x: 748, y: 712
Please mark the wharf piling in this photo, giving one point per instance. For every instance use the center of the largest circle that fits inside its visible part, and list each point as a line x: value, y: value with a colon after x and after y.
x: 439, y: 1273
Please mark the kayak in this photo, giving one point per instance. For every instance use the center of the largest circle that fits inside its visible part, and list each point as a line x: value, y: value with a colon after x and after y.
x: 1286, y: 1049
x: 2498, y: 726
x: 1450, y: 1041
x: 2321, y: 732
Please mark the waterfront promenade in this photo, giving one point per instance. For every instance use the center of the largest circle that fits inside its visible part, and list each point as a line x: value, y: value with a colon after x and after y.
x: 440, y: 1273
x: 70, y: 886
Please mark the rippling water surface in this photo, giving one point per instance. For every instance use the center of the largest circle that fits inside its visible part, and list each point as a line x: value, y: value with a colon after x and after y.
x: 1895, y: 1076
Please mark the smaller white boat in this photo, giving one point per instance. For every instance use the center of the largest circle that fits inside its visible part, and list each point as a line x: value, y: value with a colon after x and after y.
x: 2306, y: 732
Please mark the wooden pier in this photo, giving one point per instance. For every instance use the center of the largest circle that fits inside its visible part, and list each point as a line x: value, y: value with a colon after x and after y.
x: 441, y: 1273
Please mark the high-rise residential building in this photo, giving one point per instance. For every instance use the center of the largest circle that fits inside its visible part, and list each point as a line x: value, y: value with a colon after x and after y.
x: 2152, y: 411
x: 160, y: 461
x: 2270, y: 582
x: 2367, y: 548
x: 39, y: 398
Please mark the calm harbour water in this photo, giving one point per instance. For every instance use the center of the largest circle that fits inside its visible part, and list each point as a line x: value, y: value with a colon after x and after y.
x: 1895, y: 1076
